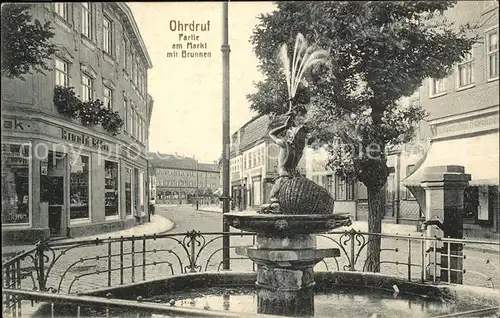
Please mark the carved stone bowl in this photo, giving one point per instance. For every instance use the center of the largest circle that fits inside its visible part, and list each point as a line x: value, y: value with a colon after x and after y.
x: 281, y: 224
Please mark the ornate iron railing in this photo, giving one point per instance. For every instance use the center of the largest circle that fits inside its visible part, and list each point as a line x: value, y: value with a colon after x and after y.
x: 83, y: 265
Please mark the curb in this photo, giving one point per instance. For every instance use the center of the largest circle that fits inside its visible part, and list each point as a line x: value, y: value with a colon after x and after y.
x: 101, y: 236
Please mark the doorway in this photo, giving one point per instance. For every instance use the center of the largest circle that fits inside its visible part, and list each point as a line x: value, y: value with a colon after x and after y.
x: 56, y: 191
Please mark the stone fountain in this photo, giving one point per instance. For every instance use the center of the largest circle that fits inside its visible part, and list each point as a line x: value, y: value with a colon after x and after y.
x: 285, y: 251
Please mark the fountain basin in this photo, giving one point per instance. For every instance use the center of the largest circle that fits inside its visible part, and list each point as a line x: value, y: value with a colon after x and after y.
x: 347, y: 294
x: 281, y: 224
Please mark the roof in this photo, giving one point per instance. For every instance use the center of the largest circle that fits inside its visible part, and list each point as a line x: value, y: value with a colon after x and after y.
x: 168, y: 161
x: 133, y: 25
x: 251, y: 133
x: 210, y: 167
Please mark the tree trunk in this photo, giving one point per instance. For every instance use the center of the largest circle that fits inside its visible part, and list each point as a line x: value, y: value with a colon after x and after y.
x: 376, y: 206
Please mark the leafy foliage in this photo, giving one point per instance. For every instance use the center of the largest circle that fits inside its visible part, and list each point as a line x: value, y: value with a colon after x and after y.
x: 66, y: 101
x: 111, y: 121
x: 91, y: 113
x: 25, y: 43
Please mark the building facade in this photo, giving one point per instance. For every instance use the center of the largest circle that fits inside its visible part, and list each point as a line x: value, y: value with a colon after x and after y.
x: 63, y: 176
x: 182, y: 180
x: 463, y: 121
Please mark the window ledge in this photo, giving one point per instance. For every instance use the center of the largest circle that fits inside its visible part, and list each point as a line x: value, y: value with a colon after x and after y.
x: 112, y: 218
x: 108, y: 58
x: 78, y: 221
x: 438, y: 95
x: 492, y: 79
x: 62, y: 22
x: 88, y: 42
x: 462, y: 88
x: 16, y: 226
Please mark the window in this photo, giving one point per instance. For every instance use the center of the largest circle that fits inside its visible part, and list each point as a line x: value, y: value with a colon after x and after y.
x: 139, y: 79
x: 108, y: 97
x: 79, y: 187
x: 344, y: 189
x: 437, y: 86
x: 143, y: 136
x: 87, y: 88
x: 16, y: 185
x: 137, y: 123
x: 134, y: 125
x: 139, y: 133
x: 87, y: 19
x: 125, y: 112
x: 131, y: 120
x: 466, y: 71
x: 62, y: 9
x: 492, y: 52
x: 107, y: 35
x: 111, y: 192
x: 134, y: 67
x: 126, y: 54
x: 128, y: 191
x: 62, y: 72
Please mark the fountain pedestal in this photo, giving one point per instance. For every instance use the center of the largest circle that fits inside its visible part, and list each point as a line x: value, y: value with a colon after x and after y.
x: 285, y: 253
x: 285, y: 275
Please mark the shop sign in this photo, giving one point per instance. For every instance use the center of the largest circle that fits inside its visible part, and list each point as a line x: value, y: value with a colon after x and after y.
x: 84, y: 139
x: 43, y: 168
x: 16, y: 124
x: 470, y: 124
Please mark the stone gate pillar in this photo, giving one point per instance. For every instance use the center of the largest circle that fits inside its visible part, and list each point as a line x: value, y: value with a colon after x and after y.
x: 444, y: 192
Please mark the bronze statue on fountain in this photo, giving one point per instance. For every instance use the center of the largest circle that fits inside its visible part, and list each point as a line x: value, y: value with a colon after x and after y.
x: 292, y: 193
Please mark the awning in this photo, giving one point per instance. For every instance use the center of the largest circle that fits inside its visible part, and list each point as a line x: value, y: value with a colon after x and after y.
x: 479, y: 155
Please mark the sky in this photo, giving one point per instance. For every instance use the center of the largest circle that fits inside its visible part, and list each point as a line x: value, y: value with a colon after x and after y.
x: 187, y: 92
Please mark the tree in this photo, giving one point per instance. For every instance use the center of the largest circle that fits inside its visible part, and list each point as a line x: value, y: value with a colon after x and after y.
x: 25, y: 43
x: 380, y: 51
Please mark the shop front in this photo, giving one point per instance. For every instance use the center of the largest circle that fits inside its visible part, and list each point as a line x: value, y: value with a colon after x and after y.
x: 473, y: 143
x: 68, y: 181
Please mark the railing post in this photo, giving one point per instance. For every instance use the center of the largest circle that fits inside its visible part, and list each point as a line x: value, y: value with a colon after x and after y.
x: 133, y: 258
x: 18, y: 285
x: 144, y: 257
x: 41, y: 265
x: 352, y: 233
x: 409, y: 258
x: 109, y: 263
x: 121, y: 260
x: 192, y: 241
x: 422, y: 260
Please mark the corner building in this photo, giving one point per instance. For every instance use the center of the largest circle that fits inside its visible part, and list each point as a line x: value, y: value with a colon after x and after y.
x: 61, y: 178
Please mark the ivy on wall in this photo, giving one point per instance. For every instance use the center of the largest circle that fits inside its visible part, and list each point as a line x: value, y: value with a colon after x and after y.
x: 91, y: 113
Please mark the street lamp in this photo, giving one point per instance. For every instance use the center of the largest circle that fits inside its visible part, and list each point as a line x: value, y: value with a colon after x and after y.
x: 225, y: 133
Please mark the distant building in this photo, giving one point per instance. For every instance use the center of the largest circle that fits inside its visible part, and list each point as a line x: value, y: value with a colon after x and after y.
x: 59, y: 176
x: 180, y: 180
